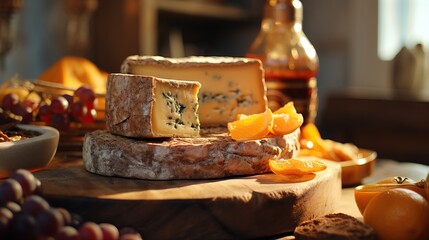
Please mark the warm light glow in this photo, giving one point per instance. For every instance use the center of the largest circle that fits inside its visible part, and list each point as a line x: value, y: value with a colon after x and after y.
x: 309, y: 144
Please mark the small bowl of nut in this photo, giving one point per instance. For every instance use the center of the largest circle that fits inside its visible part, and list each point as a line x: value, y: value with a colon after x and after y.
x: 25, y: 146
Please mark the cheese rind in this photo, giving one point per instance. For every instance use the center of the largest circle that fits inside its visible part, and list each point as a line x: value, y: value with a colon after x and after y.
x: 213, y: 155
x: 230, y: 86
x: 150, y: 107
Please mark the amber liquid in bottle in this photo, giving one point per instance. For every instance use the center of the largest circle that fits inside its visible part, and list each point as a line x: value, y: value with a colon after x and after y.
x: 290, y: 61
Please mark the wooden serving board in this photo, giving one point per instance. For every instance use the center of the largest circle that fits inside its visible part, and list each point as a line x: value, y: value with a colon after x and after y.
x: 240, y: 207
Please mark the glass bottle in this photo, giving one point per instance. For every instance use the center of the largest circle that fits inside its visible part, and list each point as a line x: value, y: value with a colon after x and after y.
x: 289, y: 59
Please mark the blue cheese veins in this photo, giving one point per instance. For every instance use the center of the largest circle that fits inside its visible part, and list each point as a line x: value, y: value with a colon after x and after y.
x: 229, y: 86
x: 149, y: 107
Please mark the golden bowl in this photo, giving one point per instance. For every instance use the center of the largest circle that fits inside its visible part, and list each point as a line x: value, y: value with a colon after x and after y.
x: 354, y: 171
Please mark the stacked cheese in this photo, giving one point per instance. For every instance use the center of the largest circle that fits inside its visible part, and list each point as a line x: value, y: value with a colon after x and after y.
x: 154, y: 110
x: 167, y: 97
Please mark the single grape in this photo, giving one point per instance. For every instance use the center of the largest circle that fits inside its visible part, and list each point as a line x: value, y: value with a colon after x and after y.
x: 78, y: 92
x: 45, y: 114
x: 5, y: 214
x: 67, y: 217
x: 69, y: 98
x: 85, y: 94
x: 67, y: 233
x: 131, y: 236
x: 25, y: 112
x: 110, y: 231
x: 89, y: 116
x: 39, y: 188
x: 10, y: 100
x: 34, y: 205
x: 59, y: 105
x: 5, y: 218
x: 13, y: 207
x: 91, y: 105
x: 23, y: 226
x: 78, y: 110
x: 10, y: 190
x: 128, y: 233
x: 26, y: 179
x: 90, y: 231
x: 49, y: 222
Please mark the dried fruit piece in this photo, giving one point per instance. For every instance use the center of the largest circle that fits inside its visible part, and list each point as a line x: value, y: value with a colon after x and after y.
x: 297, y: 178
x: 296, y: 166
x: 286, y: 120
x: 251, y: 127
x: 312, y: 144
x: 310, y: 132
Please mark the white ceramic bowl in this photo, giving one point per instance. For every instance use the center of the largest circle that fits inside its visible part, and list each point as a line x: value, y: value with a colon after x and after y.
x: 32, y: 153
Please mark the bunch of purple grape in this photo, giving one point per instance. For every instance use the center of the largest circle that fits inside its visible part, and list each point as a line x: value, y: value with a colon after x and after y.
x: 25, y: 214
x: 56, y: 111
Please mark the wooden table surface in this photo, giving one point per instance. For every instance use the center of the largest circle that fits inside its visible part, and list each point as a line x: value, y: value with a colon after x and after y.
x: 190, y: 209
x: 346, y: 204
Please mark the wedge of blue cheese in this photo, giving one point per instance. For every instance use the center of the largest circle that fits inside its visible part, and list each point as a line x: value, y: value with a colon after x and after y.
x: 229, y: 85
x: 150, y: 107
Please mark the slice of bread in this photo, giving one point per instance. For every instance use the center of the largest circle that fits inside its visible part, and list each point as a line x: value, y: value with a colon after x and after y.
x: 335, y: 226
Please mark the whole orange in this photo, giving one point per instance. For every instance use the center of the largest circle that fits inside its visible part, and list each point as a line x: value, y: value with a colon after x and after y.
x: 398, y: 214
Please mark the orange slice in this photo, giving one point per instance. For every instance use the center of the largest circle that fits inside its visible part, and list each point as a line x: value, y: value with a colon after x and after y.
x: 286, y: 123
x: 296, y: 166
x: 288, y: 108
x: 311, y: 133
x: 286, y: 120
x: 251, y: 127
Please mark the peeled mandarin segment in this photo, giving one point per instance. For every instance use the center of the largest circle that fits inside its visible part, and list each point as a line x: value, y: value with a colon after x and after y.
x: 288, y: 108
x: 286, y: 120
x: 255, y: 126
x: 325, y: 148
x: 296, y: 166
x: 286, y: 123
x: 310, y: 132
x: 345, y: 151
